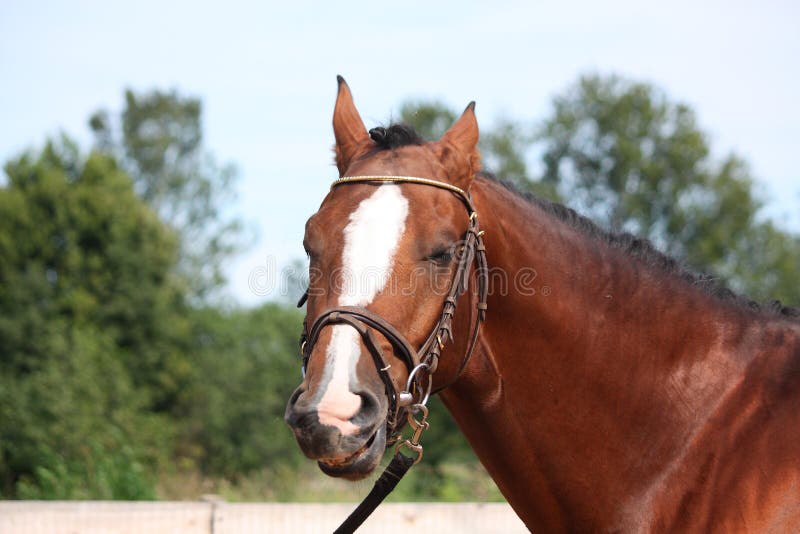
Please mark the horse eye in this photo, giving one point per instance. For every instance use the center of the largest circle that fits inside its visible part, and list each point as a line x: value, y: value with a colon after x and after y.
x: 309, y: 250
x: 442, y: 256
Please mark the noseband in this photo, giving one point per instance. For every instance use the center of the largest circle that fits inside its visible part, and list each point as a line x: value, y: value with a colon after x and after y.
x: 421, y: 363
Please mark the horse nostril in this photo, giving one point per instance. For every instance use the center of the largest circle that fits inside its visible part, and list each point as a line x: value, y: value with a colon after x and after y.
x: 296, y: 412
x: 369, y: 410
x: 295, y: 396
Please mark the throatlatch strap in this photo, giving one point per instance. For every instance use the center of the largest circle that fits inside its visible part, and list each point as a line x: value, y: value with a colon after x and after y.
x: 396, y: 469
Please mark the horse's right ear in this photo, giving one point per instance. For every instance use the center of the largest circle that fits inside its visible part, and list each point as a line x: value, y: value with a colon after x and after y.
x: 458, y: 148
x: 348, y: 128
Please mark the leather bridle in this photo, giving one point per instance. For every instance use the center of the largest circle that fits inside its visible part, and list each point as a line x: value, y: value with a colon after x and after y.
x: 421, y: 363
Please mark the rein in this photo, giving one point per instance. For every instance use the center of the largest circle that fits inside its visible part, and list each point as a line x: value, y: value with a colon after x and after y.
x: 422, y: 362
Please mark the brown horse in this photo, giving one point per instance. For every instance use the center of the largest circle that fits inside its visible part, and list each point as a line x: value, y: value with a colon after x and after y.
x: 609, y: 389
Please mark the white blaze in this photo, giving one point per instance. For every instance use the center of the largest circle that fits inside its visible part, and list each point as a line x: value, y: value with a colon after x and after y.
x: 371, y: 239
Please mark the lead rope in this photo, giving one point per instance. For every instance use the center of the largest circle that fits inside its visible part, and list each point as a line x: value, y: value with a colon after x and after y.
x: 393, y: 473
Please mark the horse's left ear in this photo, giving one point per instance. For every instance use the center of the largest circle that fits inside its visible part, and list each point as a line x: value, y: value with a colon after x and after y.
x: 458, y: 148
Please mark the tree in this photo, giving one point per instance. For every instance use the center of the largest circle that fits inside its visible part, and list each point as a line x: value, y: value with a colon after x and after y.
x: 431, y: 119
x: 158, y: 140
x: 626, y: 155
x: 90, y: 313
x: 245, y: 368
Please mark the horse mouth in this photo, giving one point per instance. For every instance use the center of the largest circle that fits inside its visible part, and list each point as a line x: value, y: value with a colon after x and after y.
x: 360, y: 463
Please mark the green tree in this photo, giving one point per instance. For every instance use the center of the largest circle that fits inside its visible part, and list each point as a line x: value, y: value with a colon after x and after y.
x: 245, y: 368
x: 89, y: 314
x: 430, y: 118
x: 633, y: 160
x: 158, y: 140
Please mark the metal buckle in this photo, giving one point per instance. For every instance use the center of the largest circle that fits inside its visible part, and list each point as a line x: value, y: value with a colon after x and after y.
x: 419, y: 427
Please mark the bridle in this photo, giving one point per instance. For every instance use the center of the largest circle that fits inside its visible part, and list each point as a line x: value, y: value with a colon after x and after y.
x: 421, y: 363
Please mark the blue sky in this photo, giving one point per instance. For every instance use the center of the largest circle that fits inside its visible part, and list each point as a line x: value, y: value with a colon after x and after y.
x: 266, y: 74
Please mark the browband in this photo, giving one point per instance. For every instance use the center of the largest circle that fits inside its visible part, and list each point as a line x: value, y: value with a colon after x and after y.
x: 406, y: 179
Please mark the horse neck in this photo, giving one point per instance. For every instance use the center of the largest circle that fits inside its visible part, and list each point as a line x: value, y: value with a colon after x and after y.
x: 592, y: 371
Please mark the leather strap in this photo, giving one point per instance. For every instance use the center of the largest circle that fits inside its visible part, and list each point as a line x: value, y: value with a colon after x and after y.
x: 397, y: 468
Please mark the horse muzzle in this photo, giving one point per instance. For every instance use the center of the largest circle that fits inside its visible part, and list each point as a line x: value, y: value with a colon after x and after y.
x: 353, y: 454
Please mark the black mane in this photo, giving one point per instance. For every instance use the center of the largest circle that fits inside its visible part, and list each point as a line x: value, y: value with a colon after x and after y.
x: 645, y: 252
x: 395, y: 136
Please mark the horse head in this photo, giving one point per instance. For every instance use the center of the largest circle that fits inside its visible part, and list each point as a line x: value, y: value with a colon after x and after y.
x: 385, y: 252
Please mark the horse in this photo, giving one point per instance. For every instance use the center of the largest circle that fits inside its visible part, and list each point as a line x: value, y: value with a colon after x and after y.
x: 608, y: 389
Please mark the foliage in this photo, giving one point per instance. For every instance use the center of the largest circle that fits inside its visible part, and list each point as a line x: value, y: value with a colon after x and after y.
x: 430, y: 119
x: 67, y: 427
x: 85, y: 302
x: 158, y: 141
x: 245, y: 368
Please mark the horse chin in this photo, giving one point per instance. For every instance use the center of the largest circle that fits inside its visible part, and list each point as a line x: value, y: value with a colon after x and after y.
x: 359, y: 464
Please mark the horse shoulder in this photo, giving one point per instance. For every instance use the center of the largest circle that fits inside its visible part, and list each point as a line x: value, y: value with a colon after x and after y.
x: 742, y: 471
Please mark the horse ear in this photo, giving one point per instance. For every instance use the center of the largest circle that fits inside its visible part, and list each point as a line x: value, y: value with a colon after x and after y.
x: 348, y: 128
x: 458, y: 148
